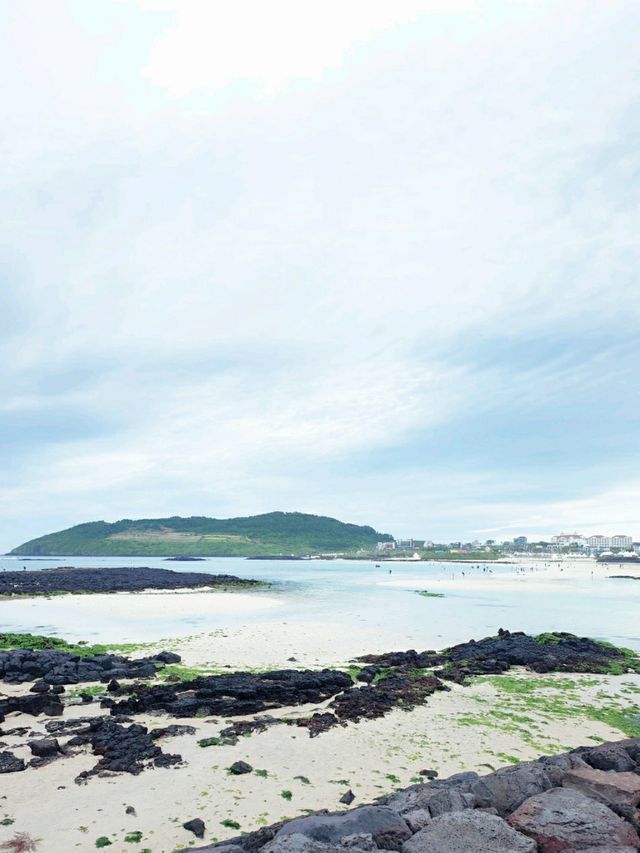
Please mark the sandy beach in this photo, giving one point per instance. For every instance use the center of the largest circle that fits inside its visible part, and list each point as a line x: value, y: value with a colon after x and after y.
x: 469, y: 728
x: 151, y: 603
x: 328, y: 612
x: 495, y: 721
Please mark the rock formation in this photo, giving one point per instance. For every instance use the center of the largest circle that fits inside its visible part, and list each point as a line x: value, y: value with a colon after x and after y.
x: 585, y: 800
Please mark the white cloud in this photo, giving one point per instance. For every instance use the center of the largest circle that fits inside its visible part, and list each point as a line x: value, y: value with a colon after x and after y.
x: 265, y: 287
x: 210, y: 46
x: 608, y: 512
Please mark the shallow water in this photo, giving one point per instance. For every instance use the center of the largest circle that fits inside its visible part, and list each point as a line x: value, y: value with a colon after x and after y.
x: 478, y: 599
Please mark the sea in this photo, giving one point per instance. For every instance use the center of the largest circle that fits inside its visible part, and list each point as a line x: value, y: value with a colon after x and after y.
x: 474, y: 600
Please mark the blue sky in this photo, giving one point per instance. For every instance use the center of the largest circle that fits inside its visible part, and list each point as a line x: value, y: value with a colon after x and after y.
x: 370, y: 260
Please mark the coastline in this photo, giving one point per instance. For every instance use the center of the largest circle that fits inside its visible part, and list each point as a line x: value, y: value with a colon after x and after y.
x: 329, y: 614
x: 495, y: 721
x: 480, y: 727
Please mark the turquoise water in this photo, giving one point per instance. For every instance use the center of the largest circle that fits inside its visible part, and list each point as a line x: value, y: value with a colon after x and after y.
x: 533, y: 597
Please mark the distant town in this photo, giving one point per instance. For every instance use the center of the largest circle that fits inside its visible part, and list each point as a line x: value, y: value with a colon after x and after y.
x: 562, y: 543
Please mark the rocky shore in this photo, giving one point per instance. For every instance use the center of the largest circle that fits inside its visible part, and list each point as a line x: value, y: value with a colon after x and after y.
x: 584, y: 800
x: 238, y: 747
x: 395, y: 679
x: 384, y: 682
x: 111, y: 579
x: 553, y: 652
x: 235, y: 694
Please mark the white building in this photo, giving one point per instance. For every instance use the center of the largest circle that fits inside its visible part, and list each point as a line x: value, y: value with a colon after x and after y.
x: 386, y: 546
x: 598, y: 541
x: 621, y: 541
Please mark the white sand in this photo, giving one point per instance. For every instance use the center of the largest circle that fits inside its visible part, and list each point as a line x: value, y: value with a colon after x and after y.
x: 454, y: 731
x: 264, y: 645
x: 522, y: 573
x: 132, y: 617
x: 151, y: 603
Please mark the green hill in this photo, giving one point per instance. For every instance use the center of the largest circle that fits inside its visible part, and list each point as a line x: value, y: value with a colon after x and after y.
x: 270, y: 534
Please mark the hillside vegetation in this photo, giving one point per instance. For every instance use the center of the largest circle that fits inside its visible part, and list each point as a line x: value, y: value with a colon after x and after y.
x: 287, y: 533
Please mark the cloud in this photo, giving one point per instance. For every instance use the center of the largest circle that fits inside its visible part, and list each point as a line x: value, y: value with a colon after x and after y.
x: 372, y: 265
x: 210, y: 47
x: 611, y: 510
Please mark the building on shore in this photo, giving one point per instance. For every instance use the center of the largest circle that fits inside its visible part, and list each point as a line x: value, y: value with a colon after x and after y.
x: 595, y: 543
x: 563, y: 539
x: 622, y: 541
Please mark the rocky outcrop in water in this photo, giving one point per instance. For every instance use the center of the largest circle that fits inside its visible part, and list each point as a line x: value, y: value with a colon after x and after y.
x: 110, y: 579
x: 577, y: 801
x: 185, y: 559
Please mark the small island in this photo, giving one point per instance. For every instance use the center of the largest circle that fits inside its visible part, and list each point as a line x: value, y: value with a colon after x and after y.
x: 184, y: 559
x: 272, y: 534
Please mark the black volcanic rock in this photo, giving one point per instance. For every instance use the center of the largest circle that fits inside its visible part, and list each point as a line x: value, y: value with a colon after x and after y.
x: 44, y: 748
x: 556, y: 652
x: 110, y: 579
x: 168, y: 657
x: 121, y: 749
x: 240, y: 768
x: 396, y: 679
x: 9, y: 763
x: 33, y: 704
x: 318, y: 723
x: 56, y: 667
x: 248, y: 693
x: 400, y: 687
x: 196, y: 826
x: 236, y: 694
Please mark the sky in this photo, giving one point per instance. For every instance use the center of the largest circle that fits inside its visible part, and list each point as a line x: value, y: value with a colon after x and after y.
x: 371, y: 260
